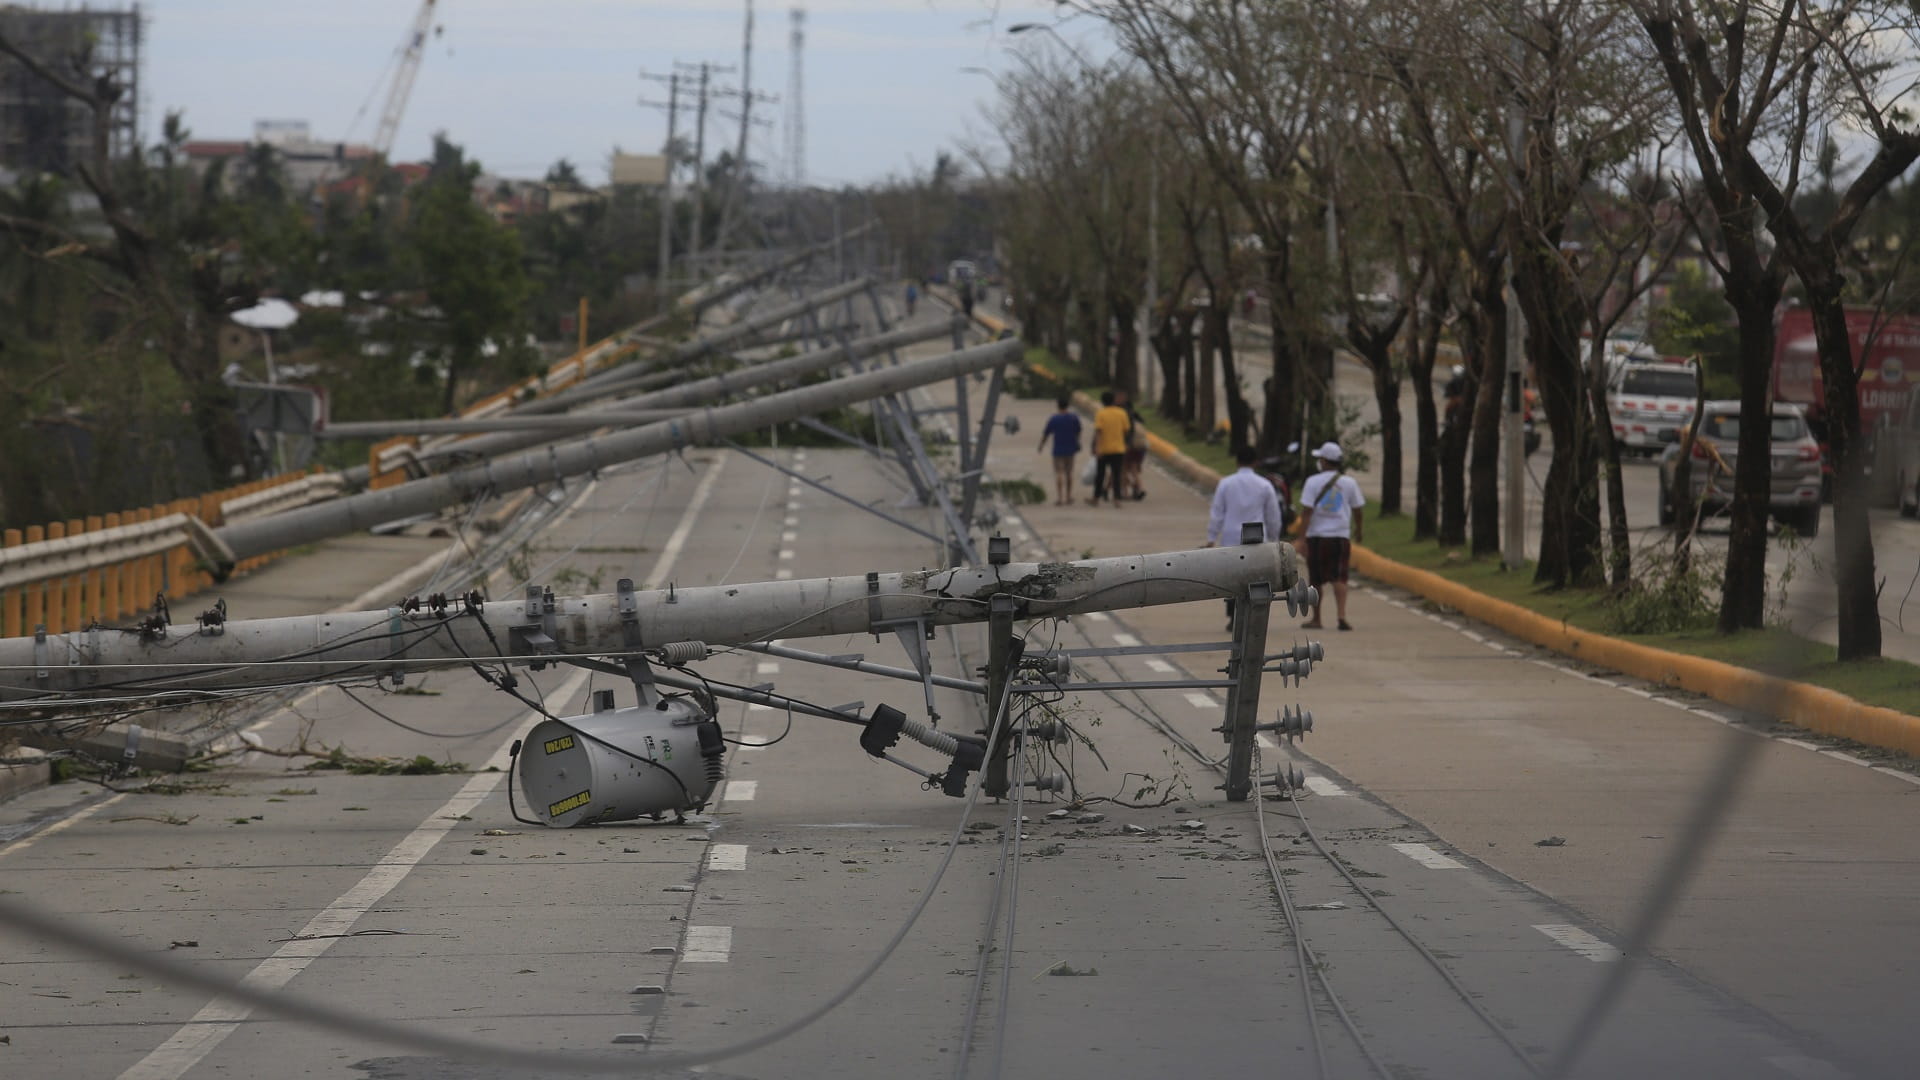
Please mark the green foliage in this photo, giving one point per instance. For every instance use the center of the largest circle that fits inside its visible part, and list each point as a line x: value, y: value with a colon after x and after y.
x: 1021, y: 492
x: 1667, y: 596
x: 1696, y: 320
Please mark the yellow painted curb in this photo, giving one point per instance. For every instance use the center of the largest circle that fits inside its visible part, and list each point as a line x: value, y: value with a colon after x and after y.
x: 1815, y: 708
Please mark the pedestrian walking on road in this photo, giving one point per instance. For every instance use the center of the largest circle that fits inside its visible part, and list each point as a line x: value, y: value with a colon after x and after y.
x: 1063, y: 428
x: 1246, y: 496
x: 1330, y: 500
x: 1136, y: 458
x: 913, y: 296
x: 1109, y: 449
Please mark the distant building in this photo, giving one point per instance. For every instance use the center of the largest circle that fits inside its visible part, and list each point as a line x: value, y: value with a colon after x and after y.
x: 42, y: 129
x: 307, y: 163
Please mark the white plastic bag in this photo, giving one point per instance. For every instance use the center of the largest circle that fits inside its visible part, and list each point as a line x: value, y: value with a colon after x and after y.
x: 1092, y: 469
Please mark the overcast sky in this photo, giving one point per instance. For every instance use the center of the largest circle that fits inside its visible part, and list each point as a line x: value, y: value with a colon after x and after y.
x: 521, y: 83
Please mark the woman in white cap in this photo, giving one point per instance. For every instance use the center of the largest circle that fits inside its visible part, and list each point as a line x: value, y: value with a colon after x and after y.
x: 1330, y: 501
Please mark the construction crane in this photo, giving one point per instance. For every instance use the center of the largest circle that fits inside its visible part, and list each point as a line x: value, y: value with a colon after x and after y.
x: 403, y: 76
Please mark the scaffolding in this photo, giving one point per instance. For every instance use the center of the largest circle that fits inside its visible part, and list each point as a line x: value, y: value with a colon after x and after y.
x: 43, y: 129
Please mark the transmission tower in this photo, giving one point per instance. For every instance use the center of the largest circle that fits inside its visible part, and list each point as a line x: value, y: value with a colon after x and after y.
x: 796, y: 103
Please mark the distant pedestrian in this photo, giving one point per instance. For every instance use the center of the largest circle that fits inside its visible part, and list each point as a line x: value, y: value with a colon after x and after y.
x: 1241, y: 498
x: 1331, y: 502
x: 1064, y: 428
x: 1109, y: 449
x: 966, y: 297
x: 913, y: 296
x: 1136, y: 458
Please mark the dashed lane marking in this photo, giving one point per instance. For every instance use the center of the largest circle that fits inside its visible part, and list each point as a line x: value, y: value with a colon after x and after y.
x: 193, y: 1041
x: 1427, y: 857
x: 707, y: 945
x: 727, y: 857
x: 1098, y: 616
x: 1201, y: 701
x: 740, y: 791
x: 1580, y: 942
x: 766, y: 667
x: 670, y: 553
x: 786, y: 554
x: 792, y: 520
x: 789, y: 536
x: 783, y: 574
x: 1160, y: 667
x: 1265, y: 742
x: 1320, y: 785
x: 1125, y: 640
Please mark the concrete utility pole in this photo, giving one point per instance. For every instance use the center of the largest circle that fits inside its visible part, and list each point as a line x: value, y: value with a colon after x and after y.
x: 705, y: 72
x: 664, y: 262
x: 246, y: 652
x: 1513, y: 543
x: 517, y: 431
x: 368, y: 509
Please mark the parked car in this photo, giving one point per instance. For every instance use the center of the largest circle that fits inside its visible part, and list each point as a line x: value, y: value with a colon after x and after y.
x: 1647, y: 399
x: 1794, y: 496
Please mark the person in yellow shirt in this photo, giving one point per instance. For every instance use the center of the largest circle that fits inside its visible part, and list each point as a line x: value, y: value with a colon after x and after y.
x: 1110, y: 426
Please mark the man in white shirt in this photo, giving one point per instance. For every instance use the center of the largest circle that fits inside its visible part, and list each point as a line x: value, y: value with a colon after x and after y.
x: 1243, y: 497
x: 1331, y: 502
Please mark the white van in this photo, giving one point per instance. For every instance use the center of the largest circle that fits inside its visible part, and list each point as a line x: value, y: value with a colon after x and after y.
x: 1646, y: 399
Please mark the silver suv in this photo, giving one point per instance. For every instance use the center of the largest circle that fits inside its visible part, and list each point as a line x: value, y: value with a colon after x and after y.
x: 1794, y: 496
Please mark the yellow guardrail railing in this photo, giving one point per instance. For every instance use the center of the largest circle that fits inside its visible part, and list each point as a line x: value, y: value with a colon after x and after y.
x: 68, y: 575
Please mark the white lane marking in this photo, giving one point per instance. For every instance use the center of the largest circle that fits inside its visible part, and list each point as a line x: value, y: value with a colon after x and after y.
x: 1801, y: 743
x: 1265, y: 742
x: 707, y: 945
x: 766, y: 667
x: 799, y: 465
x: 671, y: 552
x: 1848, y: 758
x: 1320, y: 785
x: 1127, y: 640
x: 1898, y: 775
x: 220, y: 1017
x: 1160, y: 666
x: 786, y: 554
x: 756, y: 707
x: 1097, y: 616
x: 1427, y: 857
x: 799, y: 455
x: 1471, y: 636
x: 1806, y: 1068
x: 741, y: 790
x: 1201, y: 701
x: 63, y: 824
x: 1580, y: 942
x: 727, y: 857
x: 782, y: 574
x: 791, y: 521
x: 789, y: 536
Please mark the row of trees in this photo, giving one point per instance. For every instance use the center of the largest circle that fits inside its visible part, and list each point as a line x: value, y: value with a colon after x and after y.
x: 118, y: 282
x: 1389, y: 174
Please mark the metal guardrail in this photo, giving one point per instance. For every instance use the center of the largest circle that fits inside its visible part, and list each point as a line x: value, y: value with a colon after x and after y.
x: 68, y: 575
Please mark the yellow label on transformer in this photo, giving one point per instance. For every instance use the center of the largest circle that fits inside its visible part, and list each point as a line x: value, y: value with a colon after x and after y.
x: 564, y: 742
x: 571, y: 802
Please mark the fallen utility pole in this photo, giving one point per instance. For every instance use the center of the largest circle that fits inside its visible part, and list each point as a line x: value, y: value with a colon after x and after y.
x: 546, y: 426
x: 594, y: 386
x: 542, y: 628
x: 684, y: 396
x: 580, y: 457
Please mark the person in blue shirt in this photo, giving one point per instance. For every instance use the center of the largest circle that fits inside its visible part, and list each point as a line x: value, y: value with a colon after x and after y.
x: 1064, y: 428
x: 913, y: 295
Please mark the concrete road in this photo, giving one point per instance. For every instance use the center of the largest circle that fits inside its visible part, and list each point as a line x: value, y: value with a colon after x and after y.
x: 1148, y: 943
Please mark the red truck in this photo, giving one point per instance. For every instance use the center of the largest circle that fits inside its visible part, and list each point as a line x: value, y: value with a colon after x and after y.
x: 1887, y: 349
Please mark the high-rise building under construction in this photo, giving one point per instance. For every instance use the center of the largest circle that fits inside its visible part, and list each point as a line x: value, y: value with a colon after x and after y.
x: 42, y: 127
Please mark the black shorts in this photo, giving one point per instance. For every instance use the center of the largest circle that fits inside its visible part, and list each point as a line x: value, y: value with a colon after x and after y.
x: 1327, y: 558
